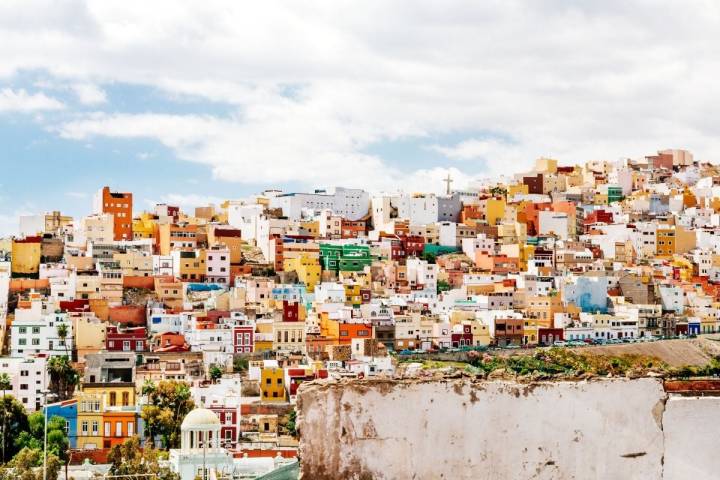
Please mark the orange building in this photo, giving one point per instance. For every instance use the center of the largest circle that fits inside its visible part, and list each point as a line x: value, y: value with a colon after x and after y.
x: 120, y: 206
x: 348, y: 331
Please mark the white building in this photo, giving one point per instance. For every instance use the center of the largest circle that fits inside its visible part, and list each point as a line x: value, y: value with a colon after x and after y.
x: 419, y: 209
x: 35, y: 331
x: 162, y: 265
x: 349, y: 203
x: 553, y: 223
x: 481, y: 242
x: 201, y: 456
x: 28, y: 377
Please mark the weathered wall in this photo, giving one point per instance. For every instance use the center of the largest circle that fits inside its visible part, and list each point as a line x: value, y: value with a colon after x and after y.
x: 691, y: 434
x: 460, y: 429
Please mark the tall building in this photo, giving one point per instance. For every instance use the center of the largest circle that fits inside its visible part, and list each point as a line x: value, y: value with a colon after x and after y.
x: 120, y: 206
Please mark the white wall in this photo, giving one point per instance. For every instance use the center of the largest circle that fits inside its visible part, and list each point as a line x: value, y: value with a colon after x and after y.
x: 504, y: 430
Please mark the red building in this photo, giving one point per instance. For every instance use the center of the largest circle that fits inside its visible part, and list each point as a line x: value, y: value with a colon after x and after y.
x: 462, y: 339
x: 133, y: 339
x: 244, y: 338
x: 170, y: 342
x: 120, y: 206
x: 548, y: 336
x: 291, y: 311
x: 414, y: 245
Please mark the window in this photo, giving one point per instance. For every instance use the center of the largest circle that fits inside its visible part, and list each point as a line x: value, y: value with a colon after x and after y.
x: 126, y: 345
x: 126, y: 398
x: 118, y: 429
x: 35, y: 329
x: 22, y: 341
x: 131, y: 429
x: 36, y: 341
x: 84, y: 427
x: 138, y: 345
x: 113, y: 399
x: 95, y: 427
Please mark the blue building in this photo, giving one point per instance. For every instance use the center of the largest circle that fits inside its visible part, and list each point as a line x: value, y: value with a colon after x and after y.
x: 67, y: 410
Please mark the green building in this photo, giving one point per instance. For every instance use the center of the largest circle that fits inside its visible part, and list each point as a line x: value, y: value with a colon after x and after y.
x: 614, y: 194
x: 344, y: 258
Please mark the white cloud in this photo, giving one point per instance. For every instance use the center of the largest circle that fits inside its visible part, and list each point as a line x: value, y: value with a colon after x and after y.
x: 89, y: 94
x: 24, y: 102
x: 577, y: 81
x: 186, y: 202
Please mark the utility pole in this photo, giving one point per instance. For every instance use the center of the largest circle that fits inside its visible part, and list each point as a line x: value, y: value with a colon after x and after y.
x: 44, y: 393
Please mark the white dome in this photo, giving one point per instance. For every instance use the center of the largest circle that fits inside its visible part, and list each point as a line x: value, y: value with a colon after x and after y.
x: 200, y: 418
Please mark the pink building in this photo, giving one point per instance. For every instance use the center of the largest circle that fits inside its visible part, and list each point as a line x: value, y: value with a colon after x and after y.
x: 218, y: 265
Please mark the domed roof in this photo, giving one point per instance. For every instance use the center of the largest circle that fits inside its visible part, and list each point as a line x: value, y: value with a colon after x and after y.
x: 199, y: 418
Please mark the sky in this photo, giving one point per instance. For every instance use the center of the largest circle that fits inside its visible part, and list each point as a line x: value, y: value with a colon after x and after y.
x: 196, y: 102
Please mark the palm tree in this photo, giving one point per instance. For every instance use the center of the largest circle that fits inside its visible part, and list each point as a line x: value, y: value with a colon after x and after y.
x: 63, y: 377
x: 62, y: 331
x: 4, y: 385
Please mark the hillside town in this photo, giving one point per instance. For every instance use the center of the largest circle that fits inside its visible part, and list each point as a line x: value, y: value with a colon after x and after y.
x: 191, y: 332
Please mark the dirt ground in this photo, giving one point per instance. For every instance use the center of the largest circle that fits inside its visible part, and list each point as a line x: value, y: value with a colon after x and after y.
x: 676, y: 353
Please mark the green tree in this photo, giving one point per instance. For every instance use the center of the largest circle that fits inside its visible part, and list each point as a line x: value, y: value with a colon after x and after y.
x: 63, y: 377
x: 27, y: 465
x: 292, y: 423
x: 14, y: 422
x: 240, y: 364
x: 216, y: 373
x: 168, y: 403
x: 442, y: 286
x: 498, y: 191
x: 33, y: 437
x: 129, y: 460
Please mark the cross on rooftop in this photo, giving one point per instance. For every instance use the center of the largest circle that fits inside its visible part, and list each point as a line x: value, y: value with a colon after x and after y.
x: 448, y: 181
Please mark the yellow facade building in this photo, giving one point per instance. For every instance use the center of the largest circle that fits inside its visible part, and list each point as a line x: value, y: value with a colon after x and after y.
x: 26, y: 253
x: 272, y: 385
x: 307, y: 268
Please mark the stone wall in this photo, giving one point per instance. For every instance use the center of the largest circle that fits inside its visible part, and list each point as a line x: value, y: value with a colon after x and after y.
x: 465, y: 429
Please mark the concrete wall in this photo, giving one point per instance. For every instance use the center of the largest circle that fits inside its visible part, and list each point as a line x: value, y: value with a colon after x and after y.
x: 463, y: 429
x: 691, y: 434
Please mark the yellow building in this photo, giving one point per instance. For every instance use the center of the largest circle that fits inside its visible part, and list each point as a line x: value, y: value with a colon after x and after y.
x: 673, y: 239
x: 272, y: 385
x: 494, y: 210
x: 144, y: 226
x: 26, y: 253
x: 307, y: 268
x: 530, y: 332
x: 191, y: 265
x: 90, y: 419
x: 352, y: 294
x: 684, y: 267
x: 112, y: 406
x: 264, y: 338
x: 89, y: 335
x: 134, y: 263
x: 546, y: 165
x: 289, y: 337
x: 517, y: 189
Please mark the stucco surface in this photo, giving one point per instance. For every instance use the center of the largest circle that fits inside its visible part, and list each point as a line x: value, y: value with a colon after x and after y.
x: 463, y: 429
x: 692, y: 430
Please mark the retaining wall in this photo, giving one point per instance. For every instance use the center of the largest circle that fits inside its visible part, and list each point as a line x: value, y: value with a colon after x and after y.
x: 464, y: 429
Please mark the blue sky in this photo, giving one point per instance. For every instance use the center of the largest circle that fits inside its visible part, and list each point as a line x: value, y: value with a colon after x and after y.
x: 188, y: 102
x: 43, y: 171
